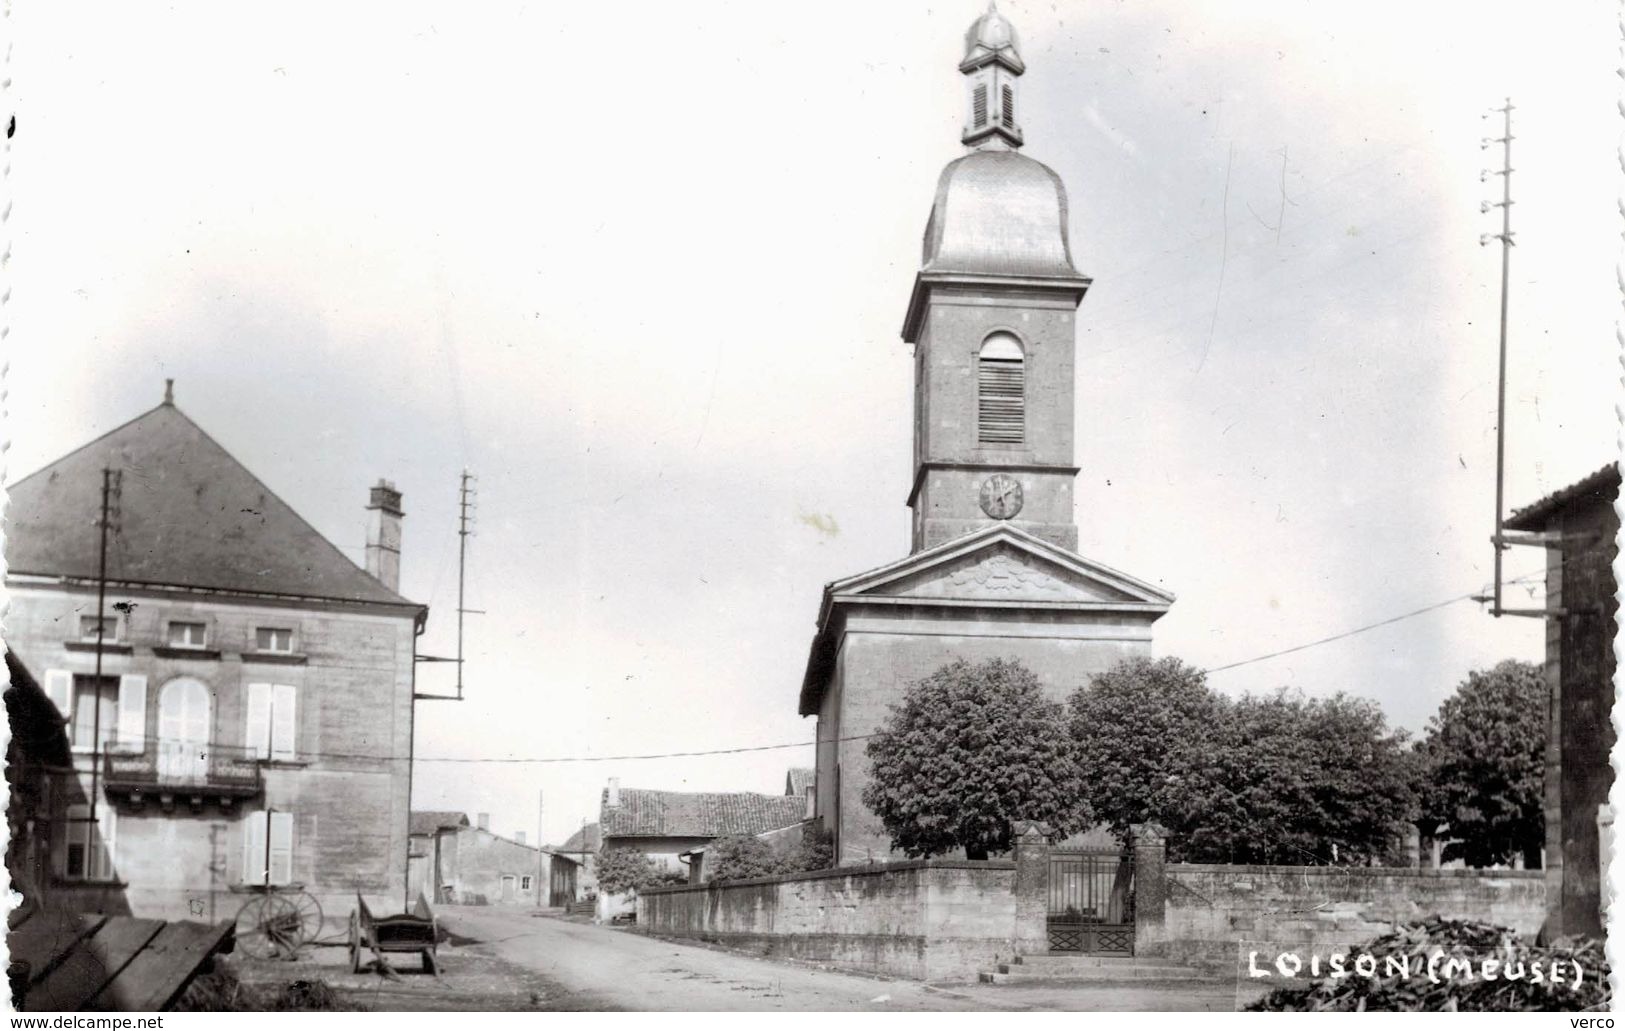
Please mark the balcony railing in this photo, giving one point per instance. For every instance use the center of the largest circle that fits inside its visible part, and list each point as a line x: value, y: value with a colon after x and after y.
x: 168, y: 769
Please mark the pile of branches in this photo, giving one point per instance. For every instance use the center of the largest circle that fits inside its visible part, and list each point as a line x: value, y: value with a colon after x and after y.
x: 222, y: 991
x: 1447, y: 948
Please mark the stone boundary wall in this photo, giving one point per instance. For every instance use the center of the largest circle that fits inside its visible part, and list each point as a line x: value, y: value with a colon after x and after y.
x: 930, y: 919
x: 1211, y: 911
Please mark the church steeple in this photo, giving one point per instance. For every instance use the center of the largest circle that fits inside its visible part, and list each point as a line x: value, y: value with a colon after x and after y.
x: 991, y: 67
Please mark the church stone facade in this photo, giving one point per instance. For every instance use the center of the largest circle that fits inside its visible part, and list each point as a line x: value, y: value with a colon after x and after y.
x: 994, y: 570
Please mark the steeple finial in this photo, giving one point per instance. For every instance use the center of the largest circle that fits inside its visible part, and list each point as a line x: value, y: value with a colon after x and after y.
x: 169, y: 391
x: 992, y: 63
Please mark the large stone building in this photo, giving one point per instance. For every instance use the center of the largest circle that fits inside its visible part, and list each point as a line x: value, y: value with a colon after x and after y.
x: 252, y: 717
x: 1579, y: 529
x: 995, y: 570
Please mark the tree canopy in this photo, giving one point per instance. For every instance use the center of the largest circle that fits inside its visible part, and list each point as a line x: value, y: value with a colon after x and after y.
x: 1280, y: 778
x: 739, y: 856
x: 970, y: 749
x: 1485, y: 753
x: 627, y: 869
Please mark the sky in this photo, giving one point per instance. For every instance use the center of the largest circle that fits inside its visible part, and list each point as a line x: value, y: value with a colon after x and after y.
x: 642, y: 269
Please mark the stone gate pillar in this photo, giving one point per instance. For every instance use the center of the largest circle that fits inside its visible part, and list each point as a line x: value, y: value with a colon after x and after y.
x: 1150, y: 887
x: 1031, y: 839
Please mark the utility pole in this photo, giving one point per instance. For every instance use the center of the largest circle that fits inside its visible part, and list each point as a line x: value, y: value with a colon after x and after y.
x: 465, y: 511
x: 112, y: 488
x: 465, y: 495
x: 1505, y: 236
x: 541, y: 856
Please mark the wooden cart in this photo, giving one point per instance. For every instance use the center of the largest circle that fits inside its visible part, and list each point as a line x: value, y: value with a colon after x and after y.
x: 416, y: 931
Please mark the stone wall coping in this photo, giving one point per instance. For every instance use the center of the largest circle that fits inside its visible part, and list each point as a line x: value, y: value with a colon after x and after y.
x: 1353, y: 871
x: 840, y: 871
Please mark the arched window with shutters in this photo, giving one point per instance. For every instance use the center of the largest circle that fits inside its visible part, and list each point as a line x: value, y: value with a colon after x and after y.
x: 1001, y: 391
x: 183, y: 732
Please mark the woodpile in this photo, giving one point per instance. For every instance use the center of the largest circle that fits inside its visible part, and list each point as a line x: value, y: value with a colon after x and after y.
x: 1456, y: 965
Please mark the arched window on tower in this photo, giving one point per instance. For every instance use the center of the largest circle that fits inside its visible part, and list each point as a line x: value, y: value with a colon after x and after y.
x: 1001, y: 391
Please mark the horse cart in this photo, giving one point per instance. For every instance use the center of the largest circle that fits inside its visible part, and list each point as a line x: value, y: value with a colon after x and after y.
x: 416, y: 931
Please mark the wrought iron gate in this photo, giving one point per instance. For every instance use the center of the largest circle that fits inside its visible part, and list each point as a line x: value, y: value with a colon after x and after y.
x: 1091, y: 902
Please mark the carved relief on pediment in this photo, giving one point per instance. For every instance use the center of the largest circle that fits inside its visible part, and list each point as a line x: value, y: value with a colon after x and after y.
x: 1001, y: 576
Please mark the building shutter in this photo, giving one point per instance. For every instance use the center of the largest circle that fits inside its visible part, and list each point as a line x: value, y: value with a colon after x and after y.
x: 59, y: 689
x: 1001, y: 401
x: 1008, y: 109
x: 254, y: 848
x: 284, y: 721
x: 979, y: 106
x: 132, y: 712
x: 258, y: 734
x: 281, y: 848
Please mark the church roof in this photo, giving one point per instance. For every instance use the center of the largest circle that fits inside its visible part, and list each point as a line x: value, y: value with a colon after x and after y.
x: 999, y: 213
x: 992, y: 35
x: 999, y: 566
x: 684, y: 814
x: 584, y: 840
x: 189, y: 515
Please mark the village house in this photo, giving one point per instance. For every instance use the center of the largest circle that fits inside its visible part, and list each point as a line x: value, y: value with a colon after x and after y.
x: 666, y: 826
x: 240, y: 712
x: 1578, y: 529
x: 452, y: 861
x: 573, y: 874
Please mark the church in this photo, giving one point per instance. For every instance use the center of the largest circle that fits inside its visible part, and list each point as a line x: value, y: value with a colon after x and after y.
x: 994, y: 570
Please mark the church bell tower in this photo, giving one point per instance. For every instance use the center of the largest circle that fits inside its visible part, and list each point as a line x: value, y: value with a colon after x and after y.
x: 992, y: 321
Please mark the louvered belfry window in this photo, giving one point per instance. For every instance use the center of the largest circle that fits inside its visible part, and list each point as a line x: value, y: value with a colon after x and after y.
x: 1008, y: 111
x: 1001, y: 395
x: 978, y: 105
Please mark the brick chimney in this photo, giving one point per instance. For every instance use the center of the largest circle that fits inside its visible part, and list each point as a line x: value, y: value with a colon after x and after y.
x: 384, y: 534
x: 483, y: 821
x: 519, y: 837
x: 613, y: 795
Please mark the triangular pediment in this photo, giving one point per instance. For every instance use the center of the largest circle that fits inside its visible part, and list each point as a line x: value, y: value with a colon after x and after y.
x: 1003, y: 564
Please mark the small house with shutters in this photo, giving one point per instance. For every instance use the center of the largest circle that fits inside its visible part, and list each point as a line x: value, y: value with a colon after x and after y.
x: 240, y: 710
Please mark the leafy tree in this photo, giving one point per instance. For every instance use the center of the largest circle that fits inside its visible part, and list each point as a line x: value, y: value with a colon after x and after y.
x: 739, y: 856
x: 1301, y: 780
x: 1273, y: 779
x: 1486, y: 753
x: 1145, y: 733
x: 626, y: 869
x: 970, y: 749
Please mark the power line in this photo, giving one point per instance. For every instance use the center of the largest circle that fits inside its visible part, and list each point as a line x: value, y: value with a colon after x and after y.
x: 554, y: 760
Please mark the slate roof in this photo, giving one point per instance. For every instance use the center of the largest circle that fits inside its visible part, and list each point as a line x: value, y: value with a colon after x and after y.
x: 682, y: 814
x: 798, y: 780
x: 584, y: 840
x: 1602, y: 485
x: 429, y: 821
x: 190, y: 515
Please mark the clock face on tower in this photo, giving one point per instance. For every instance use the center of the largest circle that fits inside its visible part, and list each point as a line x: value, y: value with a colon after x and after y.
x: 1001, y: 496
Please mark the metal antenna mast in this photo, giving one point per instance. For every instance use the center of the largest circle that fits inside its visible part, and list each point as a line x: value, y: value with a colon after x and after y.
x: 1505, y: 236
x: 1502, y: 540
x: 466, y: 493
x: 464, y: 504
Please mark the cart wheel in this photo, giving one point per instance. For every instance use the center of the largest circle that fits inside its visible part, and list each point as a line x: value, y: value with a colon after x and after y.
x: 254, y: 921
x: 309, y: 914
x: 355, y: 942
x: 429, y: 962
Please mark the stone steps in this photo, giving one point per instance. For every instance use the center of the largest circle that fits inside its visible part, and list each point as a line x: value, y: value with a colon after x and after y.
x: 1095, y: 969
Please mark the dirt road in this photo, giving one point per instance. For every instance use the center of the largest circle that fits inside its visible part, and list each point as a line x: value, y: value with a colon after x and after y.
x: 601, y: 968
